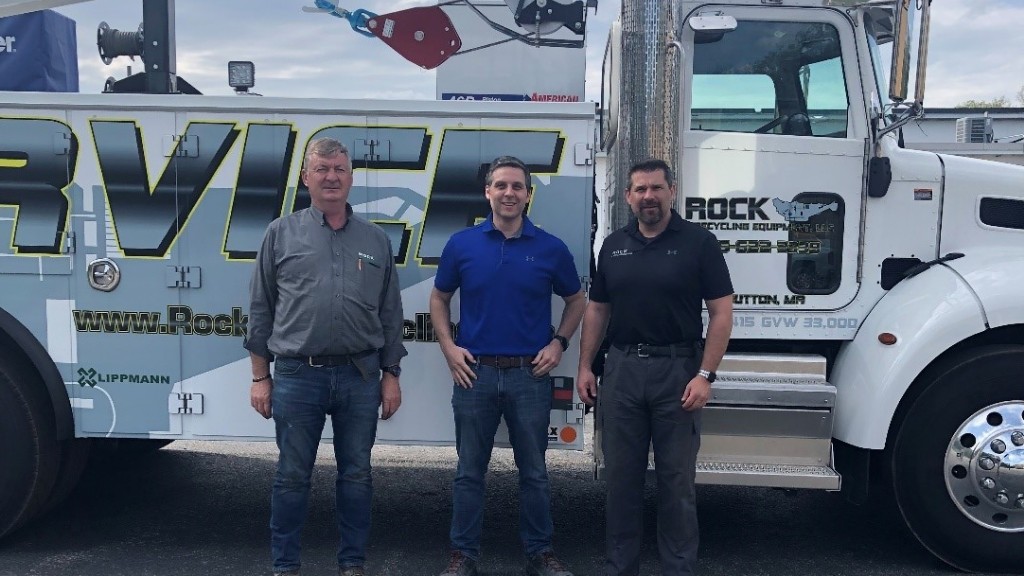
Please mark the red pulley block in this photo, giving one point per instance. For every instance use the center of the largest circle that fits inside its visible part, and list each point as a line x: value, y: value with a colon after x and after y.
x: 424, y: 36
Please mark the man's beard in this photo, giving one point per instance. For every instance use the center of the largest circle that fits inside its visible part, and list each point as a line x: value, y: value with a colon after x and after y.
x: 649, y: 217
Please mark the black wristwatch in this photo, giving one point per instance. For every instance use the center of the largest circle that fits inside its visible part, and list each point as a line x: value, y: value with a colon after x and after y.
x: 395, y: 370
x: 561, y: 340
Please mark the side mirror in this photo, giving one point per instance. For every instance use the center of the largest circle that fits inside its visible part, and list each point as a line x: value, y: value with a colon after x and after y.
x: 879, y: 176
x: 611, y: 79
x: 899, y: 77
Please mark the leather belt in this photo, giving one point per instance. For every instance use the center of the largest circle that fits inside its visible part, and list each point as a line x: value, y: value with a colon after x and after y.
x: 505, y: 361
x: 683, y: 350
x: 332, y: 359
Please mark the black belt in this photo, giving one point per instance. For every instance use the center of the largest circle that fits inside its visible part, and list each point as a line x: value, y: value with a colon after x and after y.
x: 683, y: 349
x: 505, y: 361
x: 332, y: 359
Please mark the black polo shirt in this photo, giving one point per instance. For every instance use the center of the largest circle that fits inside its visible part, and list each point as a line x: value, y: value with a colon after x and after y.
x: 656, y: 287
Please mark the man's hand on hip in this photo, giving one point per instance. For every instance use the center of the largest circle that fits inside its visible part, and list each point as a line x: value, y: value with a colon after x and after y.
x: 547, y: 359
x: 459, y: 359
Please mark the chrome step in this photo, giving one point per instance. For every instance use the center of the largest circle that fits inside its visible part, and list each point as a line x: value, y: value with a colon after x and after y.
x: 767, y: 475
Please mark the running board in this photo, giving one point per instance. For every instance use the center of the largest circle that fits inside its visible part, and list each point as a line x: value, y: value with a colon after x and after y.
x: 768, y: 423
x: 767, y: 475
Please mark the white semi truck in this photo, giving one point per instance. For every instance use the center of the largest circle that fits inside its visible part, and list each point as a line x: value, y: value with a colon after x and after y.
x: 878, y: 336
x: 878, y: 340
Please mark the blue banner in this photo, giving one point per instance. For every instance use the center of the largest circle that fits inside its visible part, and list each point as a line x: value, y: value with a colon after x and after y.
x: 486, y: 97
x: 38, y: 53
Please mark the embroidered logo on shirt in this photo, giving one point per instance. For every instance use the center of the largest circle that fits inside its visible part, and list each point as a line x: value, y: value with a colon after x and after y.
x: 367, y: 256
x: 530, y: 259
x: 673, y: 252
x: 623, y: 252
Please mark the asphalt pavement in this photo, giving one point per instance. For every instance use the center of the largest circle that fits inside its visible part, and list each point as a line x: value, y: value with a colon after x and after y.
x: 201, y: 508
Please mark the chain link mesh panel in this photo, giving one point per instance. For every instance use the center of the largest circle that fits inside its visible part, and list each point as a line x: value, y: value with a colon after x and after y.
x: 649, y: 94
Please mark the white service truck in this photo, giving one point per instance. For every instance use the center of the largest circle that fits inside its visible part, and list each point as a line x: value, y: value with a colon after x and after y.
x: 878, y: 333
x: 131, y: 223
x: 878, y: 337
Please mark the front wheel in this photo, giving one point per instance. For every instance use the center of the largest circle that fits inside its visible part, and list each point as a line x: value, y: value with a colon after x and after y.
x: 30, y: 453
x: 958, y: 461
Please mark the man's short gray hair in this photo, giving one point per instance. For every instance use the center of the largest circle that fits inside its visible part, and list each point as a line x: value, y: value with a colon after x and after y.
x: 325, y: 147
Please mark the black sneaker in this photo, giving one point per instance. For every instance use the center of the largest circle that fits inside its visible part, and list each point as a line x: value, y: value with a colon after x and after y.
x: 546, y: 564
x: 460, y: 565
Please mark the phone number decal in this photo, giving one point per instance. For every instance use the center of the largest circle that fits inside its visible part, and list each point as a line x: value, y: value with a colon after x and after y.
x: 767, y: 246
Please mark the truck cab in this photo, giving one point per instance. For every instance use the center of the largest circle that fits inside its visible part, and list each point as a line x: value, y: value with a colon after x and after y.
x: 866, y: 273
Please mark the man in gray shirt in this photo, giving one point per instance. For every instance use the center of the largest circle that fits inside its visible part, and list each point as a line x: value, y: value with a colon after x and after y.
x: 326, y: 308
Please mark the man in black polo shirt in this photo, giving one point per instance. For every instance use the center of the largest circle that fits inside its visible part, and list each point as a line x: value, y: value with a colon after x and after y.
x: 651, y: 278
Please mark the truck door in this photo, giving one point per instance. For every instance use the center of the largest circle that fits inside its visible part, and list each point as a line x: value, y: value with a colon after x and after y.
x: 773, y: 153
x: 124, y: 289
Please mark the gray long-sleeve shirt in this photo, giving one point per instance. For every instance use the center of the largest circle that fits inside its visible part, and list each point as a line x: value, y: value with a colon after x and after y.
x: 317, y: 291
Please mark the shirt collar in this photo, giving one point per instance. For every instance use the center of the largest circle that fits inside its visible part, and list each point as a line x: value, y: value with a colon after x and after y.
x: 527, y: 229
x: 318, y: 215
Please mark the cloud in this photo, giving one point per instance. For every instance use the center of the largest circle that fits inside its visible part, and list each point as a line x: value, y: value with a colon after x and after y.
x: 974, y: 52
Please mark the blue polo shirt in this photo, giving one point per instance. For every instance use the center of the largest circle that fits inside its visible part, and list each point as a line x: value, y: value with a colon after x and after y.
x: 506, y: 286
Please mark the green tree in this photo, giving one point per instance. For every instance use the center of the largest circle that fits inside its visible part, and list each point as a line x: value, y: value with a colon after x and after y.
x: 1000, y: 102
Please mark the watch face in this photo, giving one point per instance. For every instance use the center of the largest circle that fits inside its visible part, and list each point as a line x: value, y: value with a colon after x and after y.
x: 395, y: 371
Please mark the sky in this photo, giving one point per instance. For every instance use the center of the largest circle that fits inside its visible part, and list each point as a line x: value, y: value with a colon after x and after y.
x: 975, y: 51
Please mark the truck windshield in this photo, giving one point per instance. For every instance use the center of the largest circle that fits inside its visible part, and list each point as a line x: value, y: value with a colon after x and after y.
x: 772, y: 78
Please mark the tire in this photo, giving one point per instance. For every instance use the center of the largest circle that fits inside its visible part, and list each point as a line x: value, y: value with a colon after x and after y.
x: 74, y: 455
x: 31, y: 450
x: 975, y: 399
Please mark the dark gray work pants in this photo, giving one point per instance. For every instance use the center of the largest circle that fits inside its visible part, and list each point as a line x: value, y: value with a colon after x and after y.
x: 640, y: 403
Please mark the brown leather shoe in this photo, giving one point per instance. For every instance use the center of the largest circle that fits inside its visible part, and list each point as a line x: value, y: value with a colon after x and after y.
x: 546, y: 564
x: 460, y: 565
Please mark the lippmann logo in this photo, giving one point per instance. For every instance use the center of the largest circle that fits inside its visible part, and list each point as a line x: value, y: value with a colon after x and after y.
x: 90, y: 377
x: 7, y: 44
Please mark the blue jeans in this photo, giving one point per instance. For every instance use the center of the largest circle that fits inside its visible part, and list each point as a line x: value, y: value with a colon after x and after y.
x: 525, y: 402
x: 302, y: 397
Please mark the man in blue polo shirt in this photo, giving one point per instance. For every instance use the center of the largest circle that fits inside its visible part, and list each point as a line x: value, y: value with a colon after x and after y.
x: 507, y: 269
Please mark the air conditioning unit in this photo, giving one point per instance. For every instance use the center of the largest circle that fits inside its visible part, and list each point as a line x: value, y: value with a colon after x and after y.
x: 974, y: 130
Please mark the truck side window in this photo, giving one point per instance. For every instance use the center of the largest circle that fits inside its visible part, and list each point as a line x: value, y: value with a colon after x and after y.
x: 770, y: 78
x: 825, y: 93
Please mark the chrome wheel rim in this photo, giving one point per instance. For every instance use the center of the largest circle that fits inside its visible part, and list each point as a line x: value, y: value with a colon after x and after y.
x: 984, y: 467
